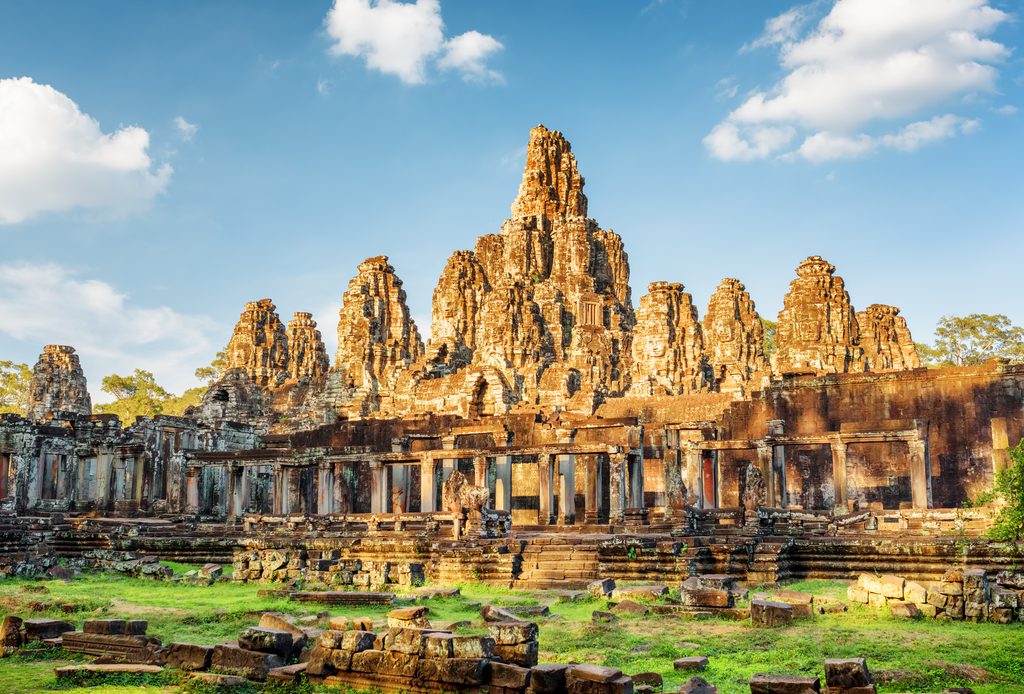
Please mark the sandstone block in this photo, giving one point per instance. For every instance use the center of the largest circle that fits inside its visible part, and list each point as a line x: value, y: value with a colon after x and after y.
x: 524, y: 654
x: 357, y: 641
x: 409, y: 616
x: 463, y: 671
x: 39, y: 629
x: 508, y: 675
x: 253, y: 665
x: 592, y: 673
x: 847, y: 672
x: 937, y: 599
x: 10, y: 634
x: 548, y: 678
x: 472, y: 647
x: 652, y: 592
x: 892, y: 586
x: 706, y: 598
x: 367, y: 661
x: 877, y: 600
x: 110, y: 627
x: 630, y: 607
x: 438, y: 646
x: 915, y: 592
x: 770, y: 614
x: 289, y: 674
x: 339, y: 623
x: 855, y: 593
x: 399, y: 664
x: 905, y: 610
x: 950, y: 588
x: 188, y: 656
x: 602, y: 617
x: 697, y: 685
x: 870, y: 583
x: 490, y: 613
x: 512, y: 633
x: 602, y: 588
x: 784, y: 684
x: 266, y: 640
x: 693, y: 662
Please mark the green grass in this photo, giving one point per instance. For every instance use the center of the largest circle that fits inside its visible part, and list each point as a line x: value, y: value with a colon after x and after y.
x: 921, y: 656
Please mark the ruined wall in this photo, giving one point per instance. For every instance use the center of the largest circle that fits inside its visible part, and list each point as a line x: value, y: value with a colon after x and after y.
x: 58, y: 384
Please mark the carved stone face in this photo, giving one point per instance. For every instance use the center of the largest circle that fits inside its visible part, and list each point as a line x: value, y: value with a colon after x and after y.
x: 808, y: 328
x: 655, y: 346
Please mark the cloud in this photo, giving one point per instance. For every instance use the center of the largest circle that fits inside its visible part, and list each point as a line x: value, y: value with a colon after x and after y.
x: 467, y: 53
x: 185, y: 129
x: 725, y: 143
x: 47, y: 303
x: 1006, y: 110
x: 867, y: 64
x: 404, y: 39
x: 323, y: 87
x: 54, y: 157
x: 726, y: 88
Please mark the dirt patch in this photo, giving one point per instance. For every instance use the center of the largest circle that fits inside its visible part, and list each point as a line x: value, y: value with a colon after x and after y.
x: 971, y: 673
x: 130, y: 609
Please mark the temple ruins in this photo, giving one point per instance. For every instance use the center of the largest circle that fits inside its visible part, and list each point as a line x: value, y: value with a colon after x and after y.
x: 567, y: 417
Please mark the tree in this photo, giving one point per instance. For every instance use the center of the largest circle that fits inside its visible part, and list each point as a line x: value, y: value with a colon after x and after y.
x: 1008, y: 496
x: 770, y: 328
x: 973, y: 339
x: 138, y: 395
x: 14, y: 383
x: 210, y: 374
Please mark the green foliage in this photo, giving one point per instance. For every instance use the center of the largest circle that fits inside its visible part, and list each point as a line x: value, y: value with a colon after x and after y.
x: 138, y: 395
x: 973, y: 339
x: 14, y: 382
x: 1007, y: 494
x: 770, y: 328
x: 210, y: 374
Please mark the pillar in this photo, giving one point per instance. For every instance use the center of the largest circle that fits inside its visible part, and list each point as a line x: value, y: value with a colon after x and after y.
x: 339, y: 503
x: 591, y: 489
x: 230, y: 507
x: 378, y: 487
x: 694, y: 475
x: 503, y: 483
x: 920, y: 487
x: 192, y: 490
x: 616, y: 487
x: 635, y: 465
x: 293, y: 480
x: 764, y: 463
x: 778, y: 479
x: 325, y: 489
x: 399, y: 488
x: 428, y: 490
x: 480, y: 471
x: 280, y: 502
x: 839, y: 476
x: 566, y: 489
x: 545, y: 489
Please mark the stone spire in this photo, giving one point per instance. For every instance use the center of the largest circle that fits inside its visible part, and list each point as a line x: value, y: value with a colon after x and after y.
x: 668, y: 345
x: 552, y: 186
x: 817, y: 326
x: 259, y: 345
x: 58, y: 384
x: 886, y: 340
x: 734, y: 339
x: 377, y: 338
x: 455, y: 317
x: 307, y: 356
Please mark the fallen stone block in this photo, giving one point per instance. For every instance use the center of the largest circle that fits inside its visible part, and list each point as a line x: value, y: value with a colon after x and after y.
x: 602, y: 588
x: 856, y: 593
x: 367, y: 661
x: 523, y: 654
x: 127, y: 648
x: 630, y: 607
x: 276, y: 620
x: 266, y: 640
x: 892, y: 586
x: 219, y: 681
x: 188, y: 656
x: 770, y: 614
x: 716, y: 581
x: 844, y: 673
x: 548, y: 678
x: 706, y: 598
x: 472, y: 647
x: 692, y: 662
x: 357, y: 641
x: 697, y: 685
x: 409, y: 640
x: 40, y: 629
x: 915, y: 592
x: 602, y: 617
x: 113, y: 627
x: 75, y: 672
x: 409, y: 616
x: 652, y: 680
x: 10, y: 634
x: 461, y: 671
x: 512, y: 633
x: 290, y: 674
x: 508, y: 675
x: 652, y: 592
x: 398, y: 664
x: 490, y: 613
x: 784, y: 684
x: 870, y: 583
x: 904, y: 610
x: 253, y: 665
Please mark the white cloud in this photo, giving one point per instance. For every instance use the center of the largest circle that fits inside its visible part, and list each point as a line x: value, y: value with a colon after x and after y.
x: 865, y: 64
x: 404, y: 39
x: 725, y: 143
x: 726, y: 88
x: 467, y: 53
x: 323, y: 87
x: 54, y: 157
x: 186, y: 130
x: 46, y: 303
x: 1006, y: 110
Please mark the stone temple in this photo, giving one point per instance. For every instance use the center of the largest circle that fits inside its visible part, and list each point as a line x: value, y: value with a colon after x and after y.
x: 548, y: 415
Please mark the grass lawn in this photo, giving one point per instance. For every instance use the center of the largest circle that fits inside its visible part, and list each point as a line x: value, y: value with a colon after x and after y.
x: 915, y: 656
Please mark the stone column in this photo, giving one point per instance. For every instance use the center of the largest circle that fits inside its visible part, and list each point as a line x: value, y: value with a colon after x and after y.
x: 399, y: 483
x: 293, y: 478
x: 192, y: 490
x: 616, y: 486
x: 778, y: 479
x: 338, y: 489
x: 280, y: 503
x: 428, y: 491
x: 920, y: 488
x: 545, y: 489
x: 567, y: 489
x: 229, y: 492
x: 839, y: 476
x: 244, y: 491
x: 378, y: 487
x: 324, y: 489
x: 503, y: 483
x: 764, y: 463
x: 591, y: 492
x: 480, y: 470
x: 636, y: 480
x: 694, y: 475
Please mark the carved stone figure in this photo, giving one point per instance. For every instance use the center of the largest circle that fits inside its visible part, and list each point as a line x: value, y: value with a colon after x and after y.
x: 307, y: 356
x: 755, y: 494
x: 459, y: 495
x: 668, y: 344
x: 259, y: 345
x: 58, y: 384
x: 734, y: 339
x: 886, y: 339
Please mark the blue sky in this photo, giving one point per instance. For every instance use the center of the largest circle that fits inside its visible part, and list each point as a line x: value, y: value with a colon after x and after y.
x: 240, y: 150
